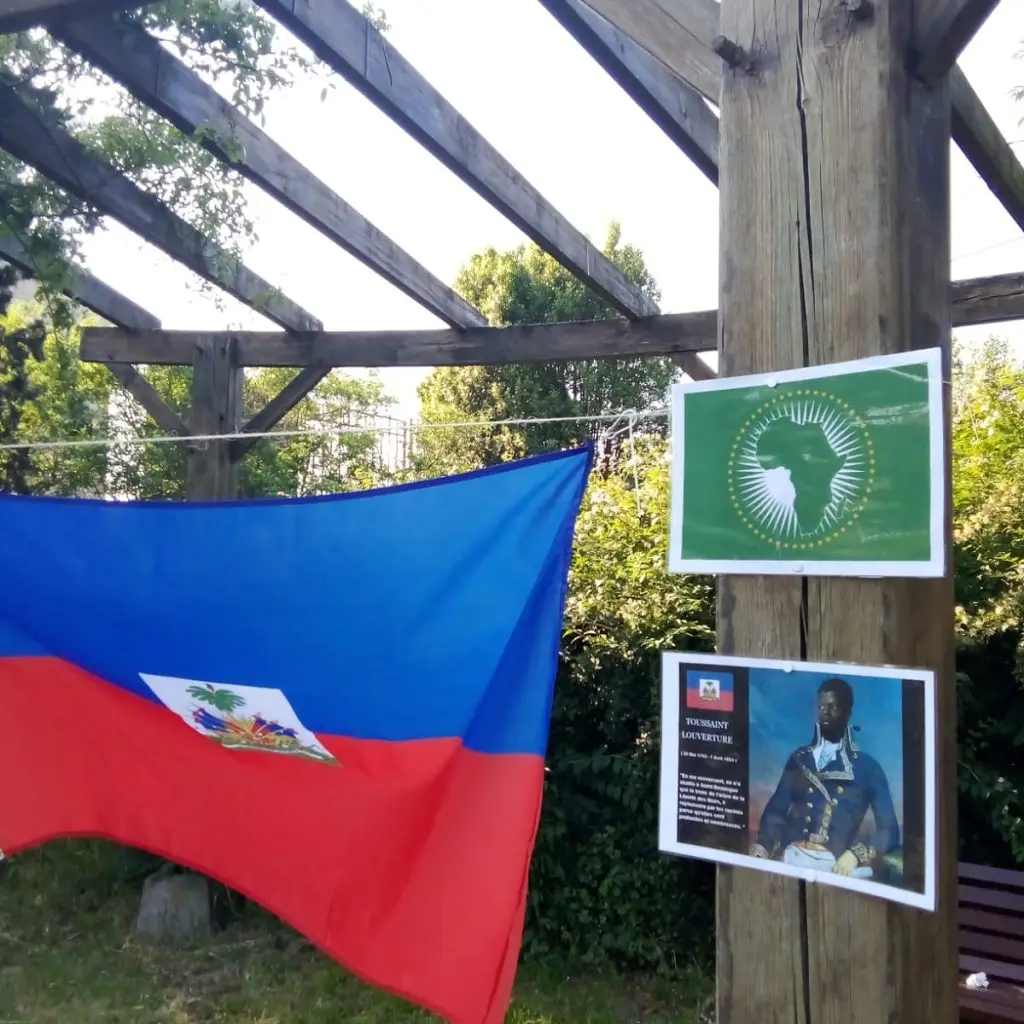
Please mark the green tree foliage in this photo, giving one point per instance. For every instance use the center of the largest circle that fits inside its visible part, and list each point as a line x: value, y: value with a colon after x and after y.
x: 339, y: 458
x: 527, y: 286
x: 599, y: 887
x: 988, y: 501
x: 235, y: 44
x: 20, y: 342
x: 47, y: 393
x: 70, y: 401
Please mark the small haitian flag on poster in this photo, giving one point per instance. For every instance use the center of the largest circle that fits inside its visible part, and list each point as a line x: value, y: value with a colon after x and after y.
x: 829, y: 470
x: 709, y: 691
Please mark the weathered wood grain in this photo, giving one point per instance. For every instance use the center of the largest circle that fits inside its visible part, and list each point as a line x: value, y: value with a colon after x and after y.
x: 988, y: 300
x: 164, y: 83
x: 211, y: 474
x: 117, y: 309
x: 942, y: 32
x: 881, y: 274
x: 679, y: 33
x: 948, y: 26
x: 64, y: 160
x: 981, y: 141
x: 677, y: 109
x: 340, y: 36
x: 18, y: 15
x: 596, y: 339
x: 980, y: 300
x: 761, y: 970
x: 835, y: 245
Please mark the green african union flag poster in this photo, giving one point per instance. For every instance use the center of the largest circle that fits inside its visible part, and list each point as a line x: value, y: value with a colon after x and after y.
x: 832, y: 470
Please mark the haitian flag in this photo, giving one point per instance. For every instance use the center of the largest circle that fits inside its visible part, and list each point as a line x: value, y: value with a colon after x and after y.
x: 337, y: 706
x: 709, y: 691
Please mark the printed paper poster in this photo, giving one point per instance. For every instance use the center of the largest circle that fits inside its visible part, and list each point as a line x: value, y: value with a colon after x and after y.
x: 820, y: 772
x: 832, y: 470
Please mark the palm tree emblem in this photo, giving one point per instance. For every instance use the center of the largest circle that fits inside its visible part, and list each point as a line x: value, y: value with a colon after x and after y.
x: 223, y: 700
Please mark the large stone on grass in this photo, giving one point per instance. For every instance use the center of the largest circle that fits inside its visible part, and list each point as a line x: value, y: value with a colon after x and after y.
x: 175, y: 908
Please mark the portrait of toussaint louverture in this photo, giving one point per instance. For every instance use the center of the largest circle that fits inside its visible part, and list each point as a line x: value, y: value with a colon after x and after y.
x: 826, y: 774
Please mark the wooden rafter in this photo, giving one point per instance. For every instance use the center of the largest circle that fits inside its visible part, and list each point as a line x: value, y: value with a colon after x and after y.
x: 944, y: 29
x: 18, y: 15
x: 679, y: 33
x: 973, y: 128
x: 61, y: 158
x: 345, y: 40
x: 986, y: 147
x: 115, y: 308
x: 982, y: 300
x: 677, y: 109
x: 351, y: 46
x: 164, y: 83
x: 85, y: 289
x: 65, y: 161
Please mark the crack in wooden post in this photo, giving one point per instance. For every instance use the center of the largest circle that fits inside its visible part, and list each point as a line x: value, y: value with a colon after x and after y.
x: 834, y: 246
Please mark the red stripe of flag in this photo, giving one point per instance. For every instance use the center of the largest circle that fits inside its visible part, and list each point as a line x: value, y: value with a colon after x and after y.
x: 408, y: 863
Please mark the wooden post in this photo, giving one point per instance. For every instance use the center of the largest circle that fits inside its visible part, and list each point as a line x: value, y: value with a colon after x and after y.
x: 834, y: 245
x: 216, y: 408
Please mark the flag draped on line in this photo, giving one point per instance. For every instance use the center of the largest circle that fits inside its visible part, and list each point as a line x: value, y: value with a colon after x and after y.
x: 338, y: 706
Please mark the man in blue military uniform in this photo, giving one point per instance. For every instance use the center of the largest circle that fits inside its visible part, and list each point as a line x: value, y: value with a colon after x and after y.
x: 814, y: 818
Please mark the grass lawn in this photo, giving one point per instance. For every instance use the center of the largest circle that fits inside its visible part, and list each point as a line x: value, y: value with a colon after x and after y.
x: 66, y: 957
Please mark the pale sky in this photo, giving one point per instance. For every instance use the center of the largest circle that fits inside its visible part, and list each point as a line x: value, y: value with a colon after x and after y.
x: 540, y: 99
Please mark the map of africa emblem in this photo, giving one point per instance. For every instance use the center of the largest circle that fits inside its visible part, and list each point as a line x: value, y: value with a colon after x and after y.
x: 801, y: 469
x: 830, y: 470
x: 257, y: 718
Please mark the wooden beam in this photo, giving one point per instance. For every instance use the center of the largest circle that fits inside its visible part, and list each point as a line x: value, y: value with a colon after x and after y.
x: 18, y: 15
x: 117, y: 309
x: 981, y: 141
x: 663, y: 335
x: 835, y: 245
x: 944, y: 29
x: 277, y: 408
x: 341, y: 37
x: 677, y: 109
x: 988, y: 300
x: 973, y: 128
x: 149, y: 398
x: 211, y: 473
x: 679, y: 33
x: 160, y: 80
x: 980, y: 300
x: 64, y: 160
x: 90, y: 291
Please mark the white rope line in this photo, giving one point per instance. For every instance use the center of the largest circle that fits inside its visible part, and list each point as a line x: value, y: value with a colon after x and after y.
x: 415, y: 427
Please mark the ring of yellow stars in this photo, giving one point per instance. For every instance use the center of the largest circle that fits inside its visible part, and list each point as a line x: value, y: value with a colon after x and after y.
x: 846, y: 434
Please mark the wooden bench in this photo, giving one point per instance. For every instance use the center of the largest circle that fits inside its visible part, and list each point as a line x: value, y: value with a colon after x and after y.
x: 990, y: 919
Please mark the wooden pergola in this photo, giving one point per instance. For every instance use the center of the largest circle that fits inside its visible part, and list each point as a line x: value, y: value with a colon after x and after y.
x: 830, y: 146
